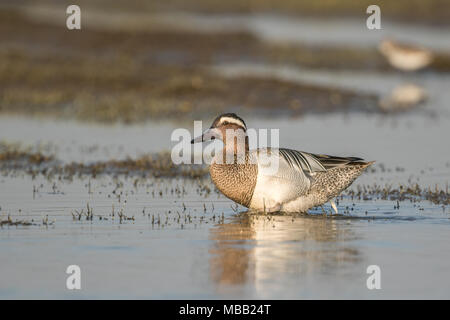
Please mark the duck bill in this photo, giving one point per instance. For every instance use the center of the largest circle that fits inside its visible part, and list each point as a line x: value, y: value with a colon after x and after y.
x: 210, y: 134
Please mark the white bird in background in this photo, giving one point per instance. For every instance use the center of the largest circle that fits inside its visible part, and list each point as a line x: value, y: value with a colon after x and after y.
x: 405, y: 57
x: 403, y: 98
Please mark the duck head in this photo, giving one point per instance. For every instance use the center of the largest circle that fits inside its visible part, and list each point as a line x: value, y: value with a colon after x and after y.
x: 223, y: 125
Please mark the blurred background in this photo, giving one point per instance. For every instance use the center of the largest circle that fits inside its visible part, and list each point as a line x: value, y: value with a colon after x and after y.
x: 140, y: 60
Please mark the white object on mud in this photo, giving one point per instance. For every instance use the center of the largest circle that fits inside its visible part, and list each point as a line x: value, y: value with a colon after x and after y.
x: 405, y: 57
x: 403, y: 97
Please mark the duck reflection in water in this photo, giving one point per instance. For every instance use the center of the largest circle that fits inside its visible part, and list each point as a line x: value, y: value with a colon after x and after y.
x: 254, y: 248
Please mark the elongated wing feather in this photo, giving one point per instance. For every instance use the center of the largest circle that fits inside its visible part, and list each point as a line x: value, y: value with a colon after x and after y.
x: 310, y: 163
x: 301, y: 160
x: 330, y: 162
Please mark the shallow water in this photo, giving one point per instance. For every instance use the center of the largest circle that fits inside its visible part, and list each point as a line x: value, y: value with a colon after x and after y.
x: 208, y: 250
x: 171, y: 252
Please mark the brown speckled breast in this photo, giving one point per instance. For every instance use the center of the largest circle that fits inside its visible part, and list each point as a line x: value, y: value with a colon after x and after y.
x: 235, y: 181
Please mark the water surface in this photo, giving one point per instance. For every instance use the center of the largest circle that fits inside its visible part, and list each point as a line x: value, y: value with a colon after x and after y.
x: 210, y: 251
x: 181, y: 239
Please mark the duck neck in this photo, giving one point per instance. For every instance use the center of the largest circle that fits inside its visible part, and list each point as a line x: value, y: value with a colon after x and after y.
x: 235, y: 147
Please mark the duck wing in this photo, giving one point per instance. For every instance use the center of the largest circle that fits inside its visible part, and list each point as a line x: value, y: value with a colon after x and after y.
x: 300, y: 160
x: 284, y: 180
x: 292, y: 177
x: 310, y: 163
x: 330, y: 162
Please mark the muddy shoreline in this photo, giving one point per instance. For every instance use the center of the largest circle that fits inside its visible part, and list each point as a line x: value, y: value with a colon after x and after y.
x: 165, y: 74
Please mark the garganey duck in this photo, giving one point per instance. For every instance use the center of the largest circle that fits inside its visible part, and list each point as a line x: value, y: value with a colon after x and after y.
x: 405, y: 57
x: 301, y: 180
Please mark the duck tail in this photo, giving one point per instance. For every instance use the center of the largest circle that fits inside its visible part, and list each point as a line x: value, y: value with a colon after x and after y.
x: 363, y: 163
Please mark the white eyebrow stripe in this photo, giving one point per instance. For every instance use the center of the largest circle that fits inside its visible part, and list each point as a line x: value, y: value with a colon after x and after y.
x: 232, y: 120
